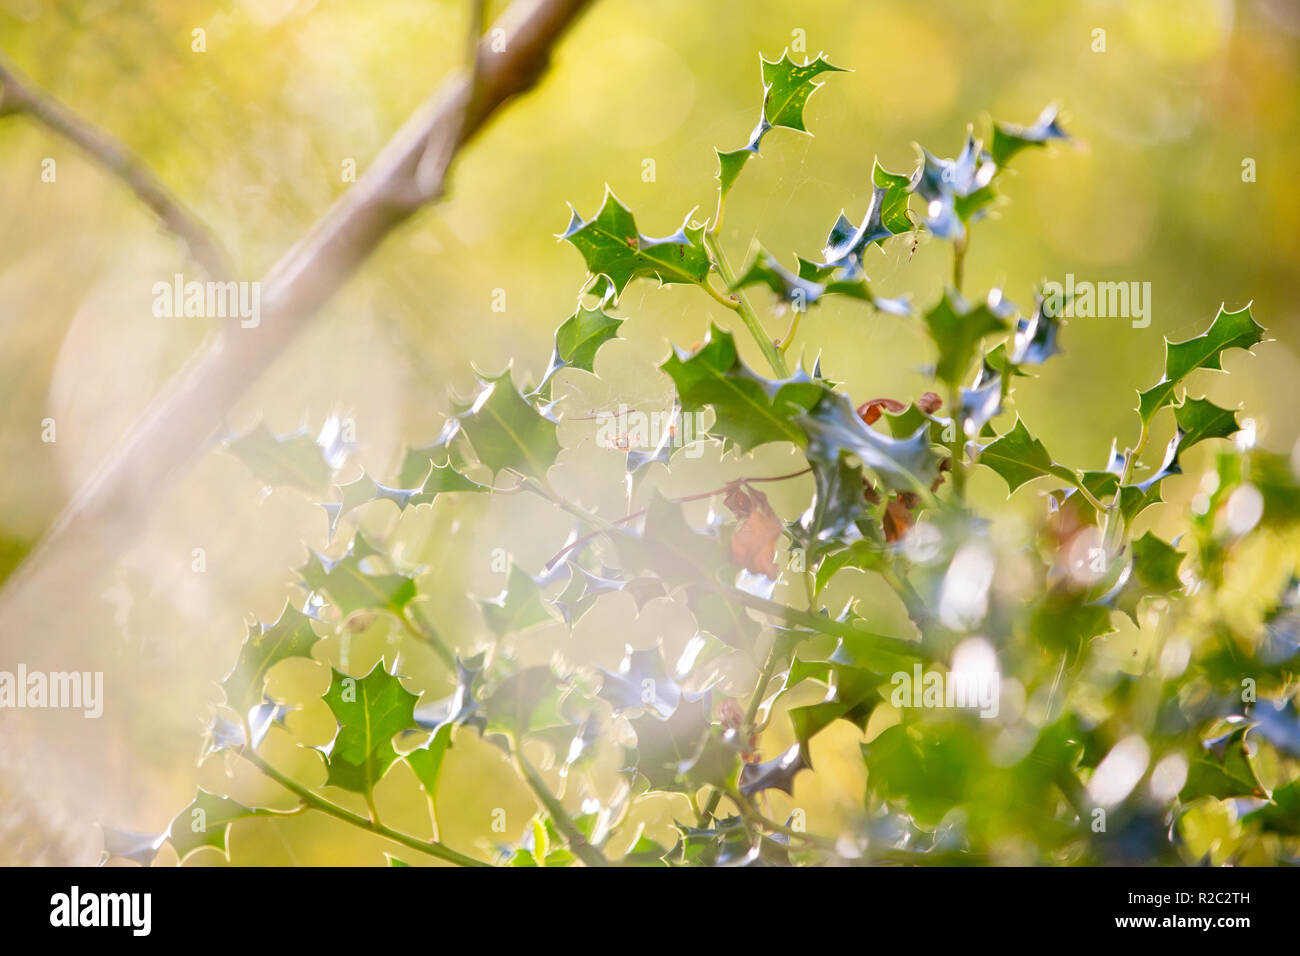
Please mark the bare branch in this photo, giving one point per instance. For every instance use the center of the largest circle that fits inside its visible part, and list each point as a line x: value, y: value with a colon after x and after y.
x: 19, y: 96
x: 102, y: 517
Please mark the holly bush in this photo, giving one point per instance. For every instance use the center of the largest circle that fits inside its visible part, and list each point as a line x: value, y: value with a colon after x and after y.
x: 984, y: 728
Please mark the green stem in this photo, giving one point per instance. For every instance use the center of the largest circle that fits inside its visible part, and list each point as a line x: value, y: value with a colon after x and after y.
x: 957, y: 448
x: 317, y: 802
x: 770, y: 352
x: 751, y: 712
x: 582, y: 849
x: 791, y: 332
x: 752, y: 814
x: 959, y: 248
x: 427, y: 635
x: 1115, y: 527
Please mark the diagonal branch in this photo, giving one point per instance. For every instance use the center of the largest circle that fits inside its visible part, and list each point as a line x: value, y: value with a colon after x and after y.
x: 105, y: 511
x: 19, y: 96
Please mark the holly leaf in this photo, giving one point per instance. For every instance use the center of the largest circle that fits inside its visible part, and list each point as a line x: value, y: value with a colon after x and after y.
x: 667, y: 748
x: 264, y: 647
x: 786, y: 89
x: 1020, y: 457
x: 1199, y: 419
x: 957, y: 329
x: 614, y: 248
x: 437, y: 480
x: 668, y: 547
x: 518, y: 607
x: 731, y: 162
x: 834, y: 428
x: 1223, y: 768
x: 815, y: 281
x: 578, y: 339
x: 775, y: 774
x: 514, y: 705
x: 1153, y: 570
x: 509, y: 432
x: 838, y: 503
x: 351, y: 587
x: 206, y: 822
x: 641, y: 682
x: 1064, y: 622
x: 1009, y: 139
x: 1230, y: 330
x: 426, y: 760
x: 295, y: 460
x: 751, y: 410
x: 893, y: 205
x: 370, y: 712
x: 863, y: 554
x: 851, y: 694
x: 462, y: 707
x: 724, y: 619
x: 140, y: 848
x: 956, y: 191
x: 788, y: 85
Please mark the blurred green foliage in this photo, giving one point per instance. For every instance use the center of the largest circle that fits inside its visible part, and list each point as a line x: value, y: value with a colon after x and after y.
x: 255, y: 133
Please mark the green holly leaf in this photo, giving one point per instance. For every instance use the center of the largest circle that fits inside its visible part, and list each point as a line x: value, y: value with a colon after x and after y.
x: 852, y: 693
x: 206, y: 822
x: 507, y: 431
x: 437, y: 480
x: 140, y: 848
x: 1199, y: 419
x: 806, y: 288
x: 1153, y: 570
x: 614, y: 248
x: 730, y: 164
x: 788, y: 85
x: 1230, y: 330
x: 1009, y: 139
x: 461, y: 707
x: 1223, y: 768
x: 351, y: 587
x: 751, y: 410
x: 956, y: 191
x: 641, y: 682
x: 667, y: 748
x: 775, y: 774
x: 833, y: 428
x: 523, y: 702
x: 764, y: 269
x: 667, y: 547
x: 897, y: 194
x: 295, y: 460
x: 1064, y: 623
x: 957, y: 329
x: 370, y: 712
x: 1282, y: 813
x: 863, y: 554
x: 724, y: 619
x: 838, y: 503
x: 578, y: 339
x: 1020, y: 457
x: 264, y: 647
x: 518, y: 607
x: 426, y: 760
x: 929, y: 771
